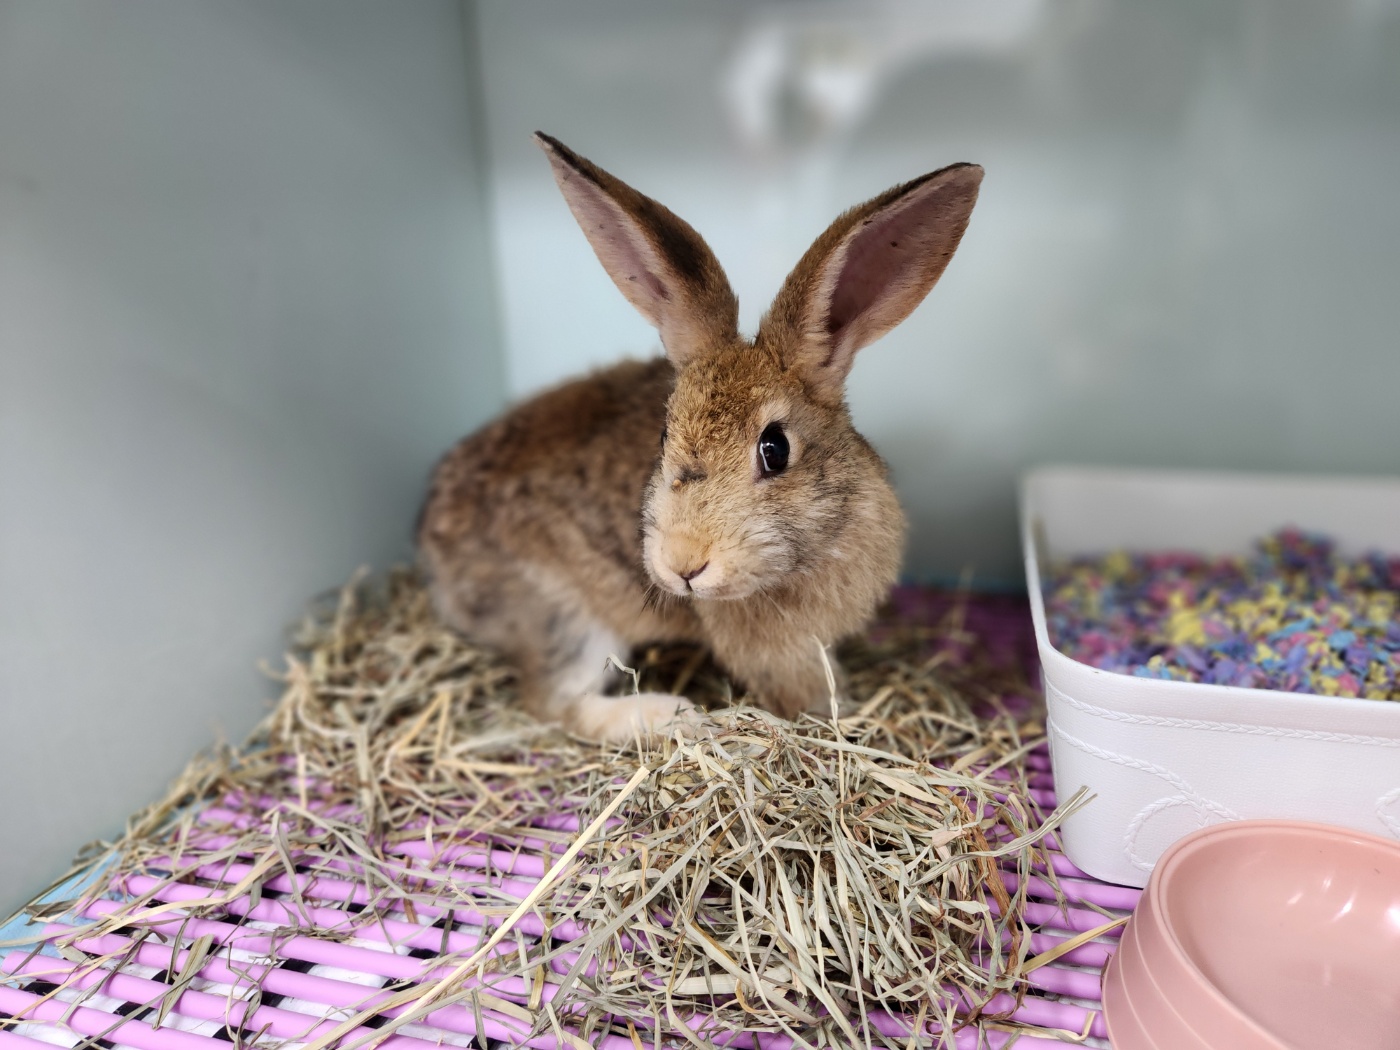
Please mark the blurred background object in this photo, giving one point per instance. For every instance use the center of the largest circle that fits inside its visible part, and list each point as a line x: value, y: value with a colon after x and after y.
x: 261, y: 262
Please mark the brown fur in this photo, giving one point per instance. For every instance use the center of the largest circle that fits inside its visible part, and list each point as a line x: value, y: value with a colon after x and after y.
x: 568, y: 530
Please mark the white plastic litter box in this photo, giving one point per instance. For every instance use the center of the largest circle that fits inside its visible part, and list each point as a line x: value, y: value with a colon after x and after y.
x: 1163, y: 758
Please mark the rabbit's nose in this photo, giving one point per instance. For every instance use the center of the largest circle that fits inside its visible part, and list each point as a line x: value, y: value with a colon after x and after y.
x: 692, y: 573
x: 685, y: 554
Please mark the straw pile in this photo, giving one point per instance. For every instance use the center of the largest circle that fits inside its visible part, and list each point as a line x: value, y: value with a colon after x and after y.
x: 832, y: 880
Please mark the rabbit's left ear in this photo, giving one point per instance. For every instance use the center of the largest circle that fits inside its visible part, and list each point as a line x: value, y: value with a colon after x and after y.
x: 656, y: 259
x: 866, y: 273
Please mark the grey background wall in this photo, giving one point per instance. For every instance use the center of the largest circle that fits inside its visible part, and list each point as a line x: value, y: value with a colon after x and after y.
x: 253, y: 254
x: 245, y: 300
x: 1186, y: 252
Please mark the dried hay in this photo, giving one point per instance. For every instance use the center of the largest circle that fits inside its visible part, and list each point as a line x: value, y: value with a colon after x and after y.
x: 832, y: 880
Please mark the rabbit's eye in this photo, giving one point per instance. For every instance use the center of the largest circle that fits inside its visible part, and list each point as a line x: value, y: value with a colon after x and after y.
x: 772, y: 450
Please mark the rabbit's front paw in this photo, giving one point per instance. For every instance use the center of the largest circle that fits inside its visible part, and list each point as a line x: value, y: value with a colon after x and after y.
x: 619, y: 719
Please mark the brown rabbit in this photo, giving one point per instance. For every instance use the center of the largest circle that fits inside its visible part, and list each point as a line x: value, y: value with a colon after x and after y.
x: 717, y: 495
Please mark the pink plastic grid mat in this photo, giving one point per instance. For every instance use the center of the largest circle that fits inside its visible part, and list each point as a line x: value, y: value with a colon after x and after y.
x: 237, y: 975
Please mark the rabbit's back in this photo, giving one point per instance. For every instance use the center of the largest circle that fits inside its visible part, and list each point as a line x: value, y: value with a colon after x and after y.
x: 549, y: 497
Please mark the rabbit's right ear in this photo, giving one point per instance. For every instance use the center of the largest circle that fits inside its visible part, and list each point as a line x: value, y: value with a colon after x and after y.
x: 866, y: 273
x: 656, y: 259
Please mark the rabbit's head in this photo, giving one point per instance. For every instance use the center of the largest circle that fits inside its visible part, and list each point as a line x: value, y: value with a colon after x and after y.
x: 760, y: 477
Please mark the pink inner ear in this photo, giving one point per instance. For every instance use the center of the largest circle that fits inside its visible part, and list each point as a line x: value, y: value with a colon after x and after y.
x: 621, y: 257
x: 622, y: 250
x: 880, y: 261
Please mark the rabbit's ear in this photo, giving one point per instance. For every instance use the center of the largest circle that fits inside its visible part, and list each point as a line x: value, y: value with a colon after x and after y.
x: 655, y: 258
x: 866, y: 273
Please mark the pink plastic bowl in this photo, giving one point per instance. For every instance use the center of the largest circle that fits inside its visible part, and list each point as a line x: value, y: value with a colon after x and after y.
x: 1262, y: 935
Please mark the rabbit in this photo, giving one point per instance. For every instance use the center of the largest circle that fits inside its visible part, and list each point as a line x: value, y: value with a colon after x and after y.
x: 718, y: 495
